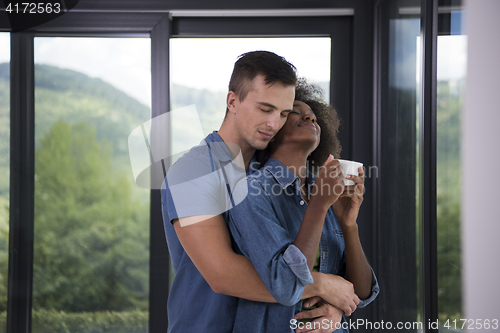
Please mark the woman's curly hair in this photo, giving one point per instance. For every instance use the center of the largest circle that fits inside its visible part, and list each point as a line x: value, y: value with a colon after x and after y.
x: 328, y: 120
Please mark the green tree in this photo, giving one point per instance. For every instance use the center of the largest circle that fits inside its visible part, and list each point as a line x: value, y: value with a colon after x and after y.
x: 449, y: 97
x: 91, y: 245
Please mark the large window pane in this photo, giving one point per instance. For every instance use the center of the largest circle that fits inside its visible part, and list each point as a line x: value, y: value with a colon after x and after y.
x: 450, y: 93
x: 91, y: 246
x: 4, y: 171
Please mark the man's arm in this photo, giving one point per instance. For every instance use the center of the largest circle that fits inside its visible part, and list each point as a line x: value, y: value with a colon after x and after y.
x: 208, y: 244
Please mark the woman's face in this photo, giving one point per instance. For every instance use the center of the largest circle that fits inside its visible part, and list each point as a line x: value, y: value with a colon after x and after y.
x: 301, y: 127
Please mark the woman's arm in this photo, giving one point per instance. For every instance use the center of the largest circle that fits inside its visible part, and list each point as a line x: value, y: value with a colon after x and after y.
x: 325, y: 192
x: 358, y: 270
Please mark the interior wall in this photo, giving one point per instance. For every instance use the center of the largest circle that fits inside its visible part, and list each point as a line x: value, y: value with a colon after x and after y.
x: 481, y: 159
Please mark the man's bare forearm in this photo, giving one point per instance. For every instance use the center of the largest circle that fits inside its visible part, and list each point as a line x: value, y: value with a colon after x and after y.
x: 230, y: 273
x: 208, y: 245
x: 241, y: 280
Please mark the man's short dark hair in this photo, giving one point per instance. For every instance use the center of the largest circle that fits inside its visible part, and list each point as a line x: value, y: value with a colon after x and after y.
x: 273, y: 67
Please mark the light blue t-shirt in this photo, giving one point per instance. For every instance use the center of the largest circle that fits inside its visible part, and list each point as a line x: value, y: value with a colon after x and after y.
x: 198, y: 183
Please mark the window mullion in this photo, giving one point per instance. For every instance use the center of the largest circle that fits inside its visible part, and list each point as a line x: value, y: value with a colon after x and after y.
x: 22, y: 171
x: 429, y: 25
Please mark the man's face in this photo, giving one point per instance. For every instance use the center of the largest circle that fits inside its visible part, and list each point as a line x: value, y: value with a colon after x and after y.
x: 262, y: 113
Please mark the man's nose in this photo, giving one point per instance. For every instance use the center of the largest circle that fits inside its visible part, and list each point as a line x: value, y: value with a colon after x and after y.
x: 274, y: 121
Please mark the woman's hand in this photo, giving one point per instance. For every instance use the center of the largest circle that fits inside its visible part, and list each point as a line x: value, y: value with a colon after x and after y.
x: 329, y: 185
x: 347, y: 206
x: 327, y: 318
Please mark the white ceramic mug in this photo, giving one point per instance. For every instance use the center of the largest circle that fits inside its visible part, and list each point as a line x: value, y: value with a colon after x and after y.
x: 350, y: 168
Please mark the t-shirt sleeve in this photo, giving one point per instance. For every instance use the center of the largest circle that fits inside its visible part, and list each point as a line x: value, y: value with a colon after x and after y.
x: 191, y: 188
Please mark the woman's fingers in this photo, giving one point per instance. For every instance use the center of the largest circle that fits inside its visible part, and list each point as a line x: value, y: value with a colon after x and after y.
x: 357, y: 189
x: 357, y: 179
x: 309, y: 314
x: 361, y: 172
x: 312, y: 301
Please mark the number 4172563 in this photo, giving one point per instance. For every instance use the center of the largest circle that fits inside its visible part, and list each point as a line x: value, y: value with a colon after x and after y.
x: 471, y: 324
x: 33, y: 8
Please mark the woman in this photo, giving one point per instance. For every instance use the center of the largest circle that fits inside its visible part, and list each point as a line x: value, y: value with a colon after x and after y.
x: 291, y: 219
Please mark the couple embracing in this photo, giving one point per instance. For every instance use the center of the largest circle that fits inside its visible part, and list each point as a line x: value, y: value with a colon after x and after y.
x: 261, y: 229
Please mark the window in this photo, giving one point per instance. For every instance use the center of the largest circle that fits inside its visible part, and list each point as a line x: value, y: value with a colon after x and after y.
x: 91, y: 244
x: 414, y: 289
x: 451, y: 73
x: 399, y: 238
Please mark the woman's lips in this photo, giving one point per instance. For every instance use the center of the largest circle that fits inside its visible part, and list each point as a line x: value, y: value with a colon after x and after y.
x: 306, y: 123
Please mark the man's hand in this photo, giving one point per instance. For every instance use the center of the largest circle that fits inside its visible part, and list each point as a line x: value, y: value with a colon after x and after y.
x: 326, y: 317
x: 337, y: 291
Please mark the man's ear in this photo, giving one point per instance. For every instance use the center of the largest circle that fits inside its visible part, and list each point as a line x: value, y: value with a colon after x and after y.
x: 231, y: 101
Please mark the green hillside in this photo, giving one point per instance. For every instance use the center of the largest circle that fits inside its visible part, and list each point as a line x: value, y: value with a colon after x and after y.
x: 91, y: 221
x: 73, y: 97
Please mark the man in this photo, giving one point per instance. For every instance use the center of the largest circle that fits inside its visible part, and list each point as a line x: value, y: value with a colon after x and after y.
x: 197, y: 195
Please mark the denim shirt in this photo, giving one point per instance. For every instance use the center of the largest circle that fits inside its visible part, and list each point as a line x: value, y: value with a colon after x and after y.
x: 264, y: 226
